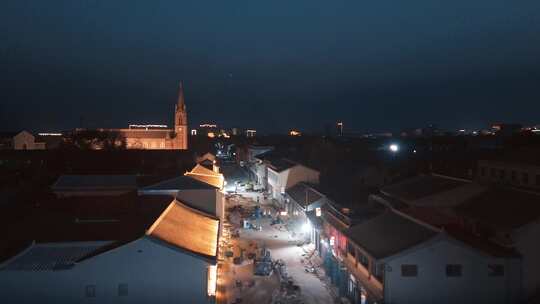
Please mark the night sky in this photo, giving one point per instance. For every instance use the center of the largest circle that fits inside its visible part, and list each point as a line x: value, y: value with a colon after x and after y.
x: 270, y: 65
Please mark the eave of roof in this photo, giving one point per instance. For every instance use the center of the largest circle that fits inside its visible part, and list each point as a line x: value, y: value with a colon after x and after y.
x: 179, y: 183
x: 388, y: 234
x: 303, y: 194
x: 187, y: 228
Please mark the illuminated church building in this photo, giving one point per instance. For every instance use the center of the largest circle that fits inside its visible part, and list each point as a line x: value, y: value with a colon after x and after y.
x: 160, y: 137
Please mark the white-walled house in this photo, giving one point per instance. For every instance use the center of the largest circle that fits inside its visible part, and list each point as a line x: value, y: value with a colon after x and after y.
x: 284, y: 173
x: 393, y: 258
x: 257, y: 163
x: 22, y: 140
x: 512, y: 218
x: 500, y: 214
x: 158, y: 251
x: 303, y: 204
x: 302, y: 198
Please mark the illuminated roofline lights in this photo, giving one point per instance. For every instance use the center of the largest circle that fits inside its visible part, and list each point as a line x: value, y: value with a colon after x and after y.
x: 146, y: 126
x: 50, y: 134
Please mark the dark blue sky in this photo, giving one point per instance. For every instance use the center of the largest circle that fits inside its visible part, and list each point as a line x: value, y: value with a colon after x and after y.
x: 270, y: 65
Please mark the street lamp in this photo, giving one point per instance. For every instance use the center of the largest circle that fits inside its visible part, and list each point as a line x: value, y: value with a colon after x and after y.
x: 394, y: 148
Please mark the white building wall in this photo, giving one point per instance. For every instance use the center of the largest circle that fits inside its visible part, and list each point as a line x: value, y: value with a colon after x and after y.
x: 298, y: 174
x: 154, y: 273
x: 220, y: 205
x: 261, y: 173
x: 206, y: 200
x: 527, y: 241
x: 281, y: 181
x: 276, y: 180
x: 211, y: 201
x: 433, y: 286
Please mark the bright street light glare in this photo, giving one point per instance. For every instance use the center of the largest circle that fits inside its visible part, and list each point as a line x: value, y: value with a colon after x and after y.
x: 306, y: 227
x: 394, y: 147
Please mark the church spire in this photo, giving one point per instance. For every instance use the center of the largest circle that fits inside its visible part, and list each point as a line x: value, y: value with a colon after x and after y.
x: 181, y: 103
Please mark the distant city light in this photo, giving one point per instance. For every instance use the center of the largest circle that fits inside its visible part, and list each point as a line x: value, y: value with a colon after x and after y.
x: 194, y: 132
x: 295, y: 133
x: 50, y: 134
x: 251, y: 133
x: 211, y: 134
x: 340, y: 128
x: 394, y: 147
x: 414, y: 151
x: 208, y: 126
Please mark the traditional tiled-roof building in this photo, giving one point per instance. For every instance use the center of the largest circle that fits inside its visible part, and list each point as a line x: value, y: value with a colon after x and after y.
x: 128, y: 248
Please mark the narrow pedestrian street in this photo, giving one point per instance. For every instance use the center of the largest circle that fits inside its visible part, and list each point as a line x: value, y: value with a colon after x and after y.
x: 297, y: 282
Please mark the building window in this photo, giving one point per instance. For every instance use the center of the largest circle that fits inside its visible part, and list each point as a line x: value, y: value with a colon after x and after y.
x: 90, y: 291
x: 363, y: 260
x: 453, y: 270
x: 525, y: 178
x: 122, y: 290
x: 350, y: 249
x: 409, y: 270
x: 496, y: 270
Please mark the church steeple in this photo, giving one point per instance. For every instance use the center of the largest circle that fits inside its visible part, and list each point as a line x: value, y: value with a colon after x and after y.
x: 180, y: 120
x: 181, y: 104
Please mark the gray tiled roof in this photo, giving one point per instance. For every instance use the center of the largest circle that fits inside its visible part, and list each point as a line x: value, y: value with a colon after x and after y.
x: 95, y: 182
x: 179, y: 183
x: 281, y: 164
x: 388, y: 234
x: 504, y: 208
x: 303, y: 194
x: 422, y: 186
x: 43, y: 257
